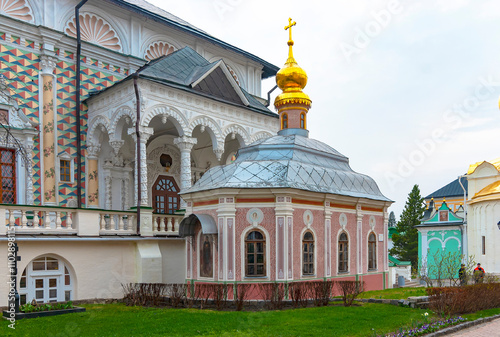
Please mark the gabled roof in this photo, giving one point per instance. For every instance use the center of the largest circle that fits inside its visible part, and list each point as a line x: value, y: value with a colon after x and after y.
x: 453, y: 189
x: 443, y: 216
x: 160, y: 15
x: 187, y: 70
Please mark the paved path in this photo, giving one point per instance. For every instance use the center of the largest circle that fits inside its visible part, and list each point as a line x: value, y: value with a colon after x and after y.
x: 490, y: 329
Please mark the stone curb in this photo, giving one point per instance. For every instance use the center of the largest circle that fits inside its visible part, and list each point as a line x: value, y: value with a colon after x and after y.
x: 458, y: 327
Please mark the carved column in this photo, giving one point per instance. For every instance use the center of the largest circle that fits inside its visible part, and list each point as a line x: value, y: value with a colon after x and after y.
x: 48, y: 64
x: 92, y: 175
x: 145, y: 133
x: 108, y: 196
x: 125, y: 189
x: 185, y: 144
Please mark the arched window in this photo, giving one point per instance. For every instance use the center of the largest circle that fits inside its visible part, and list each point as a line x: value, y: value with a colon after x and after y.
x: 46, y: 279
x: 284, y: 121
x: 372, y: 252
x: 343, y: 253
x: 255, y: 254
x: 308, y: 254
x: 302, y: 120
x: 165, y: 195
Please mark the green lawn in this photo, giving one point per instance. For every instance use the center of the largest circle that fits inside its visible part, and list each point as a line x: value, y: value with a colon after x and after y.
x: 120, y: 320
x: 394, y: 293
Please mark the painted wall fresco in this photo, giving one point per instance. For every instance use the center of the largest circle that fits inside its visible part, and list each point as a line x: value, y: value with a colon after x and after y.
x: 20, y: 65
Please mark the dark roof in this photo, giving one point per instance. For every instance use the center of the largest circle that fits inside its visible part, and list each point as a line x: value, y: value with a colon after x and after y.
x: 184, y: 68
x: 453, y: 189
x: 160, y: 15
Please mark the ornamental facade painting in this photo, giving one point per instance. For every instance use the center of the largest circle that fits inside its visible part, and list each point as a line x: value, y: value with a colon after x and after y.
x: 206, y: 256
x: 18, y: 9
x: 95, y: 30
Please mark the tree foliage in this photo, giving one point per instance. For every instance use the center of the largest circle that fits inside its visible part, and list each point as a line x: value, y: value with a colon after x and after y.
x: 405, y: 241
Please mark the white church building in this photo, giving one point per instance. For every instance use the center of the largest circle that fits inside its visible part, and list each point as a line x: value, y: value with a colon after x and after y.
x: 91, y: 192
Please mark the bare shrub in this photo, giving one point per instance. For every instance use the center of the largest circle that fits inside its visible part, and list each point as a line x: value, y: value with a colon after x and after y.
x: 273, y: 294
x: 243, y: 291
x: 219, y: 293
x: 177, y: 293
x: 349, y: 290
x: 144, y: 294
x: 322, y: 291
x: 461, y: 300
x: 299, y: 293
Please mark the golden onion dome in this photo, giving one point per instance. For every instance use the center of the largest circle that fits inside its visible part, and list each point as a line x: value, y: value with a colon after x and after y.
x: 291, y: 76
x: 291, y: 79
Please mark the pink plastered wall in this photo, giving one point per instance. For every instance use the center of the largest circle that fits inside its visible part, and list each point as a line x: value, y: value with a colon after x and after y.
x: 318, y: 230
x: 242, y: 225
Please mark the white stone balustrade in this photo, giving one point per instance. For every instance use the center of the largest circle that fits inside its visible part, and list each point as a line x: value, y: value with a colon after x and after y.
x: 166, y: 224
x: 84, y: 222
x: 117, y: 223
x: 32, y: 219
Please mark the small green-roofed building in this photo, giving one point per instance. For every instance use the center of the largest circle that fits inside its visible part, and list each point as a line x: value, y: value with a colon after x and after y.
x: 440, y: 236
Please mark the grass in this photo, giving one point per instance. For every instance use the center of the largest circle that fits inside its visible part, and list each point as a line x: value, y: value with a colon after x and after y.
x: 119, y: 320
x: 394, y: 294
x: 482, y: 313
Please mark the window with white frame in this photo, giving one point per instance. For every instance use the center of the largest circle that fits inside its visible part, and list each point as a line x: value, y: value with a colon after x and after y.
x: 65, y: 168
x: 255, y: 254
x: 372, y: 252
x: 343, y: 253
x: 308, y: 254
x: 46, y: 279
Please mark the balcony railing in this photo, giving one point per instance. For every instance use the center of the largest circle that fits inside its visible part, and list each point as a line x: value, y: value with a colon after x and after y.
x: 32, y: 219
x: 84, y: 222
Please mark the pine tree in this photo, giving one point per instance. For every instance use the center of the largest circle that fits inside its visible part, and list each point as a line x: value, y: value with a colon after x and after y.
x: 406, y: 239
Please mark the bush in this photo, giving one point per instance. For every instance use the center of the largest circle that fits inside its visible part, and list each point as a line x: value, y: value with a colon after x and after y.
x: 466, y: 299
x: 273, y: 294
x: 144, y: 294
x: 299, y: 293
x: 349, y: 290
x: 322, y: 292
x: 243, y: 291
x: 177, y: 293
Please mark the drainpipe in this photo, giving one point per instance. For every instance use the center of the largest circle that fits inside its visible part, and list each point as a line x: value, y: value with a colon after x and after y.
x: 269, y: 95
x: 465, y: 238
x: 138, y: 152
x: 78, y: 131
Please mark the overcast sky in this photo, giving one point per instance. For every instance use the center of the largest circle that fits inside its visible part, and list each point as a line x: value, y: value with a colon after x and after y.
x: 408, y: 90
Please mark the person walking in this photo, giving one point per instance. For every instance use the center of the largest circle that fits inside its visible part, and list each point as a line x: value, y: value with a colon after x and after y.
x: 462, y: 275
x: 479, y: 274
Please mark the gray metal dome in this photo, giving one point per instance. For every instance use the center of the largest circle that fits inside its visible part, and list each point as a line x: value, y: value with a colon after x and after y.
x: 290, y: 160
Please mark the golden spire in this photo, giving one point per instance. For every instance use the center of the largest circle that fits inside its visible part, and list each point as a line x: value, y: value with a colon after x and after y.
x: 291, y: 79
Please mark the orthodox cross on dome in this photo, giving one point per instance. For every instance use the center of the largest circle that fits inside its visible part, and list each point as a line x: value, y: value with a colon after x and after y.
x: 289, y: 28
x: 290, y: 41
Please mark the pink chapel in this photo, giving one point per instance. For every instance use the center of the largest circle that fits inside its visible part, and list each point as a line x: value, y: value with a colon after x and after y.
x: 288, y: 208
